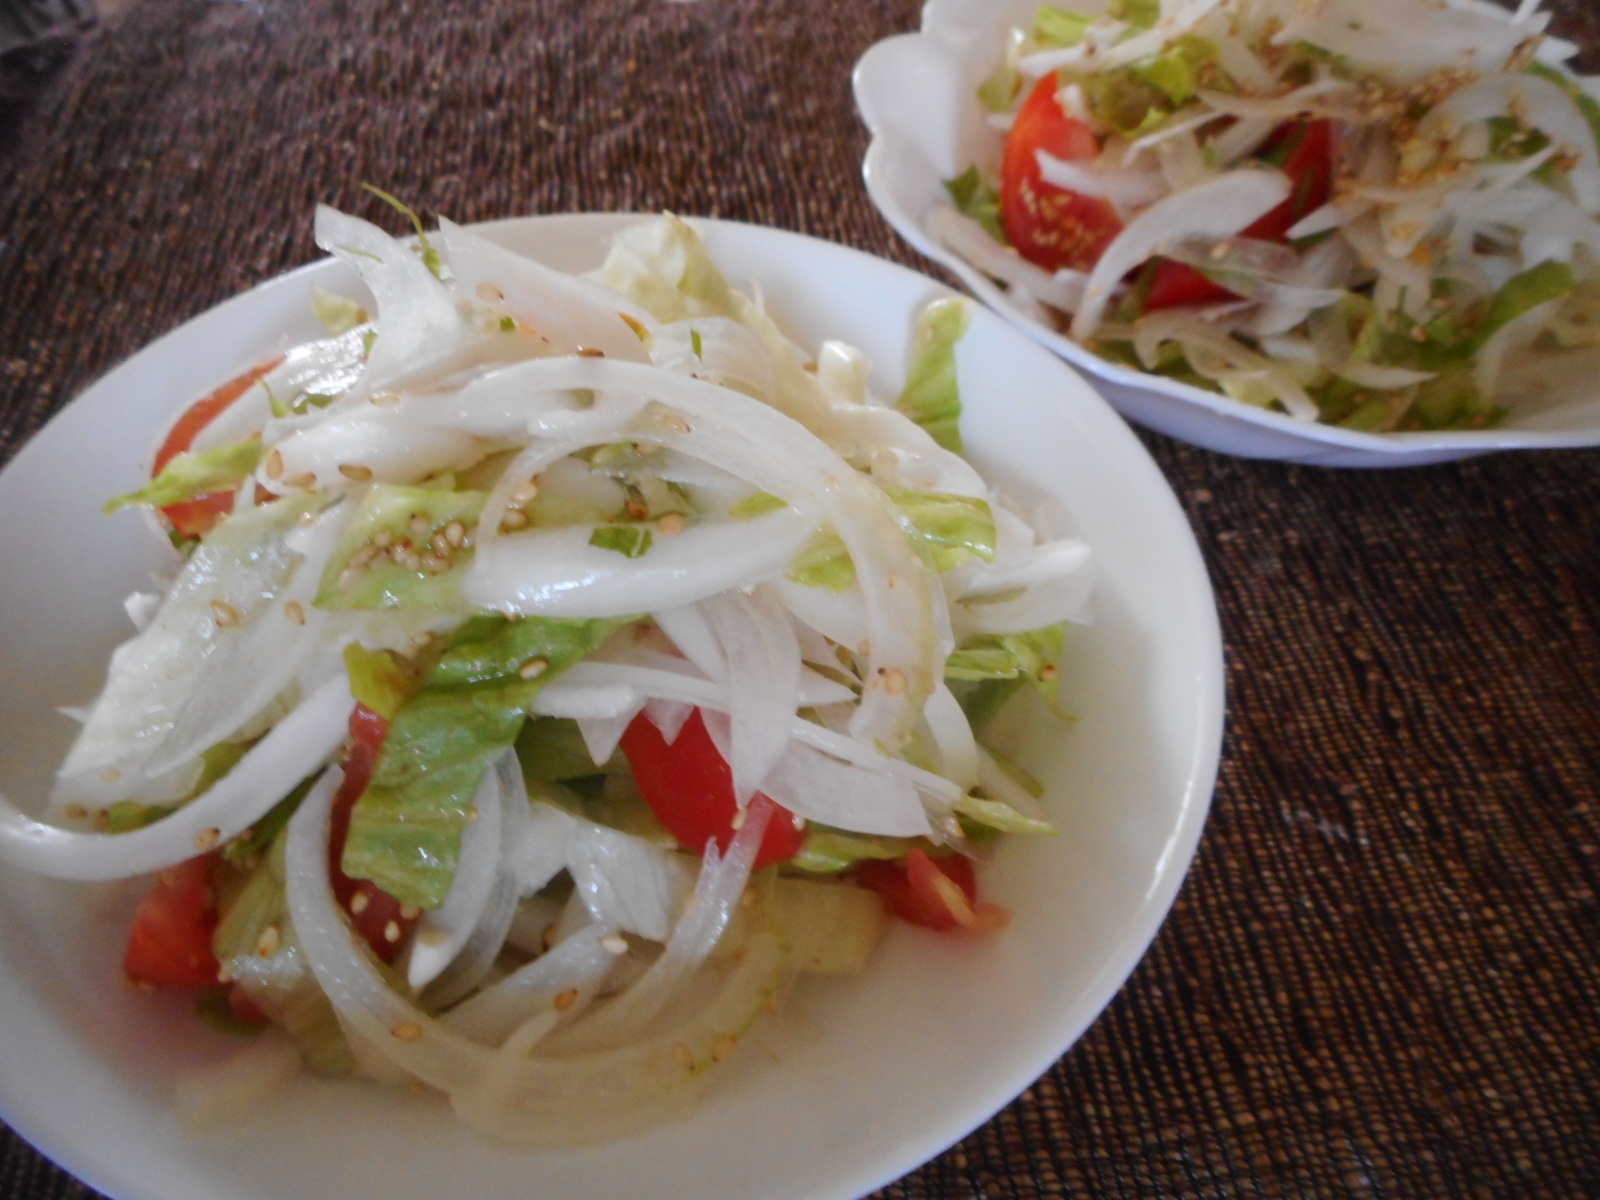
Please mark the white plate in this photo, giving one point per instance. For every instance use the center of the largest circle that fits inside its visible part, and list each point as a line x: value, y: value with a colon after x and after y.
x: 917, y: 94
x: 860, y: 1080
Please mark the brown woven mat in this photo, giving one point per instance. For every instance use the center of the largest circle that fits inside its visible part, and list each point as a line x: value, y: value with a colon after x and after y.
x: 1380, y: 979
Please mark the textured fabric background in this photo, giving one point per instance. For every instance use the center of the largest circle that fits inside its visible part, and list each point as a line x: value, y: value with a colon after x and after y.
x: 1380, y: 978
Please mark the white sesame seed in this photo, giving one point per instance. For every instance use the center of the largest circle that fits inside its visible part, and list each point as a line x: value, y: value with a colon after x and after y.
x: 391, y: 932
x: 489, y: 293
x: 409, y: 912
x: 207, y: 839
x: 614, y: 943
x: 534, y: 668
x: 275, y: 465
x: 295, y: 611
x: 513, y: 520
x: 355, y: 472
x: 225, y: 613
x: 408, y: 1031
x: 359, y: 902
x: 671, y: 525
x: 267, y: 943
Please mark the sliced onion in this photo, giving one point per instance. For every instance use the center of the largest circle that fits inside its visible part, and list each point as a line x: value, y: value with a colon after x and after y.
x: 1220, y: 207
x: 297, y: 746
x: 762, y: 654
x: 1062, y: 289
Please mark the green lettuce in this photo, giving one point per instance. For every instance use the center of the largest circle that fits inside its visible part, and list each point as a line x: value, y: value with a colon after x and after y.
x: 976, y: 198
x: 195, y: 474
x: 932, y: 395
x: 405, y: 831
x: 947, y: 530
x: 388, y: 513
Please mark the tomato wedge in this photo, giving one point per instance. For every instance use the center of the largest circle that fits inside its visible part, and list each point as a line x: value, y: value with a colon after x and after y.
x: 1305, y: 149
x: 1050, y: 226
x: 689, y: 786
x: 195, y: 518
x: 170, y: 945
x: 936, y: 893
x: 377, y: 916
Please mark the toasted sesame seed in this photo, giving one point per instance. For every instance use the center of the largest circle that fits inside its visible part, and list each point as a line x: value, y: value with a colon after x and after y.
x: 534, y: 668
x: 433, y: 937
x: 683, y: 1055
x: 295, y: 611
x: 893, y: 680
x: 636, y: 509
x: 225, y: 613
x: 110, y: 775
x: 513, y: 520
x: 267, y: 943
x: 420, y: 640
x: 489, y: 293
x: 1048, y: 672
x: 739, y: 818
x: 275, y: 465
x: 305, y: 479
x: 893, y: 580
x: 671, y: 525
x: 565, y: 1000
x: 548, y: 937
x: 639, y: 331
x: 409, y: 912
x: 472, y: 813
x: 75, y: 812
x: 674, y: 422
x: 355, y: 471
x: 386, y: 399
x: 207, y: 839
x: 359, y: 902
x: 391, y: 932
x: 590, y: 352
x: 614, y: 943
x: 408, y: 1031
x: 723, y: 1050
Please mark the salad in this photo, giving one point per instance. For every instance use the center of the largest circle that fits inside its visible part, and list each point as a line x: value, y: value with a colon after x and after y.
x: 1379, y: 214
x: 551, y: 667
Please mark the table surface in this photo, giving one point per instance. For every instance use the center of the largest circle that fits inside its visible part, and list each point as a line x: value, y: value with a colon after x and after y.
x: 1380, y: 977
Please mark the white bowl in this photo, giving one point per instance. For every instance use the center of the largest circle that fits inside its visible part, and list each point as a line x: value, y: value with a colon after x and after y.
x: 917, y: 94
x: 859, y: 1080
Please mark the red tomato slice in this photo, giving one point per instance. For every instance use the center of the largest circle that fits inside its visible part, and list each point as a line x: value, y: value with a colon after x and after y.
x: 377, y: 916
x: 170, y: 945
x: 936, y: 893
x: 1307, y: 152
x: 194, y: 518
x: 1051, y: 226
x: 689, y: 786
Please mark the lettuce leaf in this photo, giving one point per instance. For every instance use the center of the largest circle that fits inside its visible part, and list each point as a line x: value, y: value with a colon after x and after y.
x: 946, y: 530
x: 391, y: 515
x: 196, y: 474
x: 976, y: 198
x: 932, y: 395
x: 405, y: 831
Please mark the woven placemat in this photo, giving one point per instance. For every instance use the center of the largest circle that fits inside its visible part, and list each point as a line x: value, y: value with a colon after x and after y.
x: 1380, y: 978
